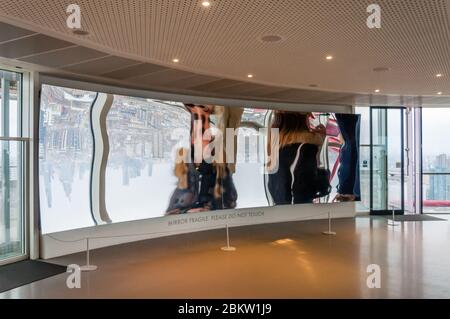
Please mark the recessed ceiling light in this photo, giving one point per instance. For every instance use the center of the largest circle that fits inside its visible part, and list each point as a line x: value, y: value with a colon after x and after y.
x: 377, y: 91
x: 80, y: 32
x: 329, y: 57
x: 206, y: 3
x: 439, y: 93
x: 271, y: 38
x: 381, y: 69
x: 175, y: 60
x: 439, y: 75
x: 250, y: 76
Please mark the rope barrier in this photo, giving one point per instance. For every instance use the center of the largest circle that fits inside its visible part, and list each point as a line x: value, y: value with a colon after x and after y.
x: 228, y: 248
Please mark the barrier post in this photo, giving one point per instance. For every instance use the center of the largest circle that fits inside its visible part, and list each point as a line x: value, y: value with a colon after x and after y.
x: 329, y: 232
x: 393, y: 222
x: 88, y: 266
x: 228, y: 247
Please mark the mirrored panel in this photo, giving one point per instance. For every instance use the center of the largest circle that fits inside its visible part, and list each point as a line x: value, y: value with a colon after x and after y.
x: 109, y: 158
x: 65, y: 158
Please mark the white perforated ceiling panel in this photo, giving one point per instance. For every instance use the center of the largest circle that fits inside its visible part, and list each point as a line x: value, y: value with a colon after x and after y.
x: 224, y: 40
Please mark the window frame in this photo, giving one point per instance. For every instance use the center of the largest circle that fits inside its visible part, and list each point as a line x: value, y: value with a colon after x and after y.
x: 23, y: 133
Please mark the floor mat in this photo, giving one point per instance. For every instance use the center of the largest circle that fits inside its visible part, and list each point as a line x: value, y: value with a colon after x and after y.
x: 415, y: 218
x: 26, y: 272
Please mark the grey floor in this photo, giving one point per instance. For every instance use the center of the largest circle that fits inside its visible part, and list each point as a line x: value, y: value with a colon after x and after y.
x: 287, y: 260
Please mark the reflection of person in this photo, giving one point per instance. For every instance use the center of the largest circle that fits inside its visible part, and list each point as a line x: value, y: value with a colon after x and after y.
x: 295, y: 180
x: 348, y: 174
x: 205, y: 186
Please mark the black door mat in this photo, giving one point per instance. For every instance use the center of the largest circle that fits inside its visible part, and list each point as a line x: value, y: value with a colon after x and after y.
x: 26, y: 272
x: 415, y: 218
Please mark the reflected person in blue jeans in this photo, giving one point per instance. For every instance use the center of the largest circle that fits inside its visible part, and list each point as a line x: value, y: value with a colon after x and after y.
x: 348, y: 174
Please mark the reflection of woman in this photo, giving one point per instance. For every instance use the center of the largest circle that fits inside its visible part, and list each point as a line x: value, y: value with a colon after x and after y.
x: 204, y: 186
x: 295, y: 180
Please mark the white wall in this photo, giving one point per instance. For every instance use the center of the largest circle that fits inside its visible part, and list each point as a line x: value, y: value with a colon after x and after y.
x: 68, y: 242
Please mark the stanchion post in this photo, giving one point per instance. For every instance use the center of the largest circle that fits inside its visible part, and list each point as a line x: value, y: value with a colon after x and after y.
x: 228, y: 247
x: 393, y: 223
x: 88, y: 266
x: 329, y: 232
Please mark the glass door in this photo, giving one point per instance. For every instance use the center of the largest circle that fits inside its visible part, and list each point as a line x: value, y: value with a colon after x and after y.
x: 12, y: 149
x: 387, y: 160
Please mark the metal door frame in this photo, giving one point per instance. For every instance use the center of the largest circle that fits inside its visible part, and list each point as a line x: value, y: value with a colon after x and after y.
x: 402, y: 156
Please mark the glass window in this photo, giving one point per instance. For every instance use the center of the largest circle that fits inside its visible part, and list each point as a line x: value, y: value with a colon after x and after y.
x: 387, y: 159
x: 11, y: 170
x: 10, y: 95
x: 435, y: 160
x: 65, y: 158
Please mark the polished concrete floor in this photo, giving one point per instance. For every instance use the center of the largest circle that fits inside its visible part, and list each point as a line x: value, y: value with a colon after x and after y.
x: 286, y: 260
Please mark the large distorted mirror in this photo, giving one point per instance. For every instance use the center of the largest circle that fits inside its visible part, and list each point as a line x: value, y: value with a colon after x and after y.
x: 109, y: 158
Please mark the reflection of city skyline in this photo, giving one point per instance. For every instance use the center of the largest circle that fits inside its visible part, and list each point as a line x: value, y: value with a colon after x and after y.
x: 437, y: 186
x: 65, y: 146
x: 143, y: 136
x: 140, y: 134
x: 437, y: 164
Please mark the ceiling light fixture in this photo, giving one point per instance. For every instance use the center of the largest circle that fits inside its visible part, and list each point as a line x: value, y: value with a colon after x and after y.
x: 80, y: 32
x: 439, y: 75
x: 439, y: 93
x: 250, y: 76
x: 381, y: 69
x: 206, y: 4
x: 271, y: 38
x: 377, y: 91
x: 329, y: 57
x: 176, y: 60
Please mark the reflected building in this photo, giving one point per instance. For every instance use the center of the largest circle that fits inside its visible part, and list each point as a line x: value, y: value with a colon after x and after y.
x: 439, y: 187
x: 65, y: 145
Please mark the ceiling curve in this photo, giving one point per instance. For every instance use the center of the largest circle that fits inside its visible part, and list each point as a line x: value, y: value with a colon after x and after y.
x: 225, y: 39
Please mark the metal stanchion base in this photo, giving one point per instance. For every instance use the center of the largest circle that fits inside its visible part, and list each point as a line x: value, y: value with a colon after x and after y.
x: 391, y: 223
x: 329, y: 233
x: 88, y: 268
x: 228, y: 248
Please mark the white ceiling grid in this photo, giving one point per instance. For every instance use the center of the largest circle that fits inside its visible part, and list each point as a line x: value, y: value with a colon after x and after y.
x: 224, y: 39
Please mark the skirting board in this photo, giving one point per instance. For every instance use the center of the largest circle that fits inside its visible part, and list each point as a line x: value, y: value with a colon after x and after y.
x: 73, y: 241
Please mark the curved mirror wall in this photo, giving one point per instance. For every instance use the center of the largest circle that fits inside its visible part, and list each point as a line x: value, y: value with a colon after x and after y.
x: 108, y: 158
